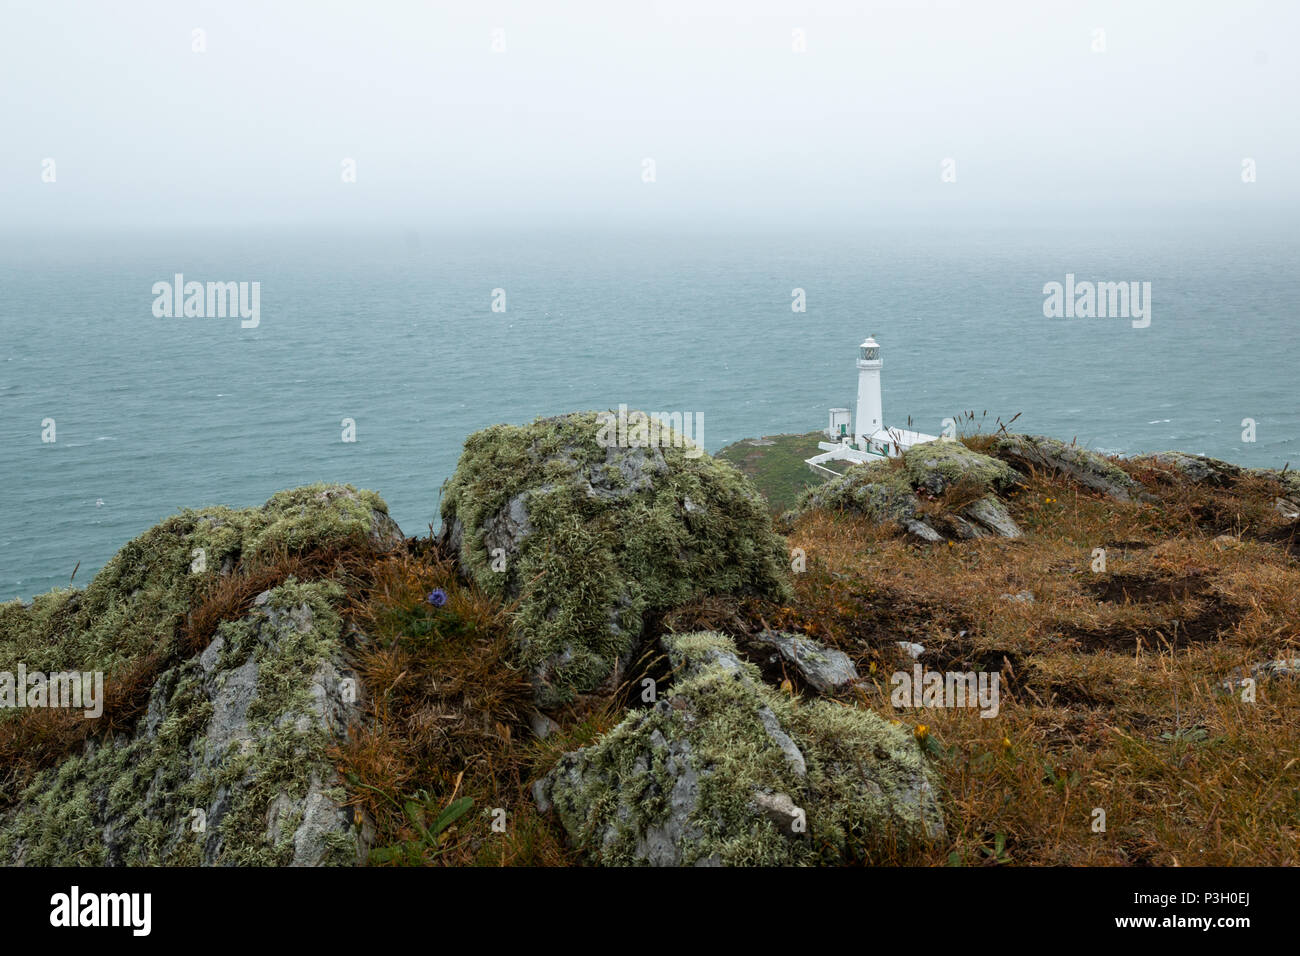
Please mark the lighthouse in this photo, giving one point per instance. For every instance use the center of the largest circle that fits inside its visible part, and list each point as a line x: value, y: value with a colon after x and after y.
x: 870, y: 416
x: 869, y: 439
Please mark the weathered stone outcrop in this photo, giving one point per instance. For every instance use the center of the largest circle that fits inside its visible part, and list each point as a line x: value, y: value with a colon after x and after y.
x: 891, y: 491
x: 1288, y: 502
x: 725, y: 771
x: 938, y: 465
x: 1088, y: 468
x: 591, y: 537
x: 1195, y: 468
x: 827, y: 671
x: 228, y: 764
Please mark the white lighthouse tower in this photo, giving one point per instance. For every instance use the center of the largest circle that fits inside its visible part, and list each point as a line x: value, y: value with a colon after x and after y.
x: 869, y: 439
x: 870, y: 415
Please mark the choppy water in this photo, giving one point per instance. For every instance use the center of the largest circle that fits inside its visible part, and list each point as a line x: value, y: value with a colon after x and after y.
x: 395, y: 330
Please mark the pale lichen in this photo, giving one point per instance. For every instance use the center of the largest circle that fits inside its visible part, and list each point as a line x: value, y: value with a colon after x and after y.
x: 886, y: 490
x: 591, y: 539
x: 230, y: 758
x: 695, y: 779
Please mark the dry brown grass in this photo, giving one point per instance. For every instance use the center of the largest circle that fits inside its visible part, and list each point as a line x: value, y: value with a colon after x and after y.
x: 1108, y: 698
x: 447, y: 714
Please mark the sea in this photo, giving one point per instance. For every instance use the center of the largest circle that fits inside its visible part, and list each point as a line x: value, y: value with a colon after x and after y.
x: 418, y: 335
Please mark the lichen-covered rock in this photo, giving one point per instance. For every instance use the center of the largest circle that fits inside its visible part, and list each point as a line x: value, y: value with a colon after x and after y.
x: 1196, y: 468
x: 1288, y: 503
x: 591, y: 537
x: 1286, y: 477
x: 824, y: 669
x: 137, y: 600
x: 1088, y: 468
x: 229, y: 763
x: 992, y: 514
x: 725, y: 771
x: 229, y: 766
x: 878, y: 490
x: 887, y: 491
x: 937, y: 465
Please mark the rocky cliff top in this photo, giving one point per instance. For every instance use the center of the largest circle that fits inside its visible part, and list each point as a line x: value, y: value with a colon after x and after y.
x: 612, y: 655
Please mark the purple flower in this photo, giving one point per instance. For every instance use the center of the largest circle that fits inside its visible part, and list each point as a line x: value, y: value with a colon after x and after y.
x: 437, y: 597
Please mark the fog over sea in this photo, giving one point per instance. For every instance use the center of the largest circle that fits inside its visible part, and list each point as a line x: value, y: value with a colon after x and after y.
x: 394, y: 328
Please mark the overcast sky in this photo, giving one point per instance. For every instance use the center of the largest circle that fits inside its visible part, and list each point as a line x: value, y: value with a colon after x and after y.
x: 143, y: 130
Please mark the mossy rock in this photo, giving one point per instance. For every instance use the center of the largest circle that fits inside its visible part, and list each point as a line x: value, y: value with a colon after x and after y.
x: 726, y: 771
x: 230, y: 765
x: 887, y: 490
x: 879, y: 490
x: 1199, y: 469
x: 230, y: 762
x: 936, y: 466
x: 1088, y: 468
x: 591, y: 539
x: 136, y: 602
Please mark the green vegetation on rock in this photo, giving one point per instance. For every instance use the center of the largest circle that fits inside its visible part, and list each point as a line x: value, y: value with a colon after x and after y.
x: 727, y: 771
x: 965, y: 481
x: 229, y: 762
x: 136, y: 602
x: 591, y: 539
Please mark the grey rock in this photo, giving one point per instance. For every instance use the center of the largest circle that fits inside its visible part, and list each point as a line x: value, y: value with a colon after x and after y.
x: 921, y: 530
x: 965, y: 530
x: 718, y: 773
x: 1284, y: 667
x: 1287, y: 508
x: 825, y: 669
x: 1088, y: 468
x: 1196, y: 468
x: 541, y: 725
x: 793, y: 755
x: 993, y: 515
x: 781, y: 810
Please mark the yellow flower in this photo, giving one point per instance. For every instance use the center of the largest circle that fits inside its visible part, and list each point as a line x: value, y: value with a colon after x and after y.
x: 922, y: 731
x: 786, y: 687
x: 1006, y: 744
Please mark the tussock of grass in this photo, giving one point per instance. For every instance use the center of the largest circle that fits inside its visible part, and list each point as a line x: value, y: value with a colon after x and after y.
x: 447, y: 713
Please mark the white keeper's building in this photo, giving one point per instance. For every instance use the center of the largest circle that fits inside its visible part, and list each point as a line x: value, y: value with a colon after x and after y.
x: 864, y: 437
